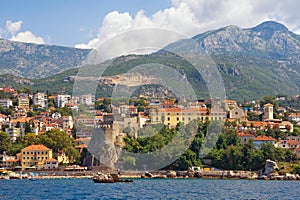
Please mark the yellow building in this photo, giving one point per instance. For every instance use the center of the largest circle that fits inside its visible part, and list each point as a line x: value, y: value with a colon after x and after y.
x: 35, y: 155
x: 23, y: 100
x: 171, y: 116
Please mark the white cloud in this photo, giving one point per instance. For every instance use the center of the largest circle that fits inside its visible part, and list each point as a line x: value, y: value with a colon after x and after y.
x: 13, y: 27
x: 28, y: 37
x: 191, y: 17
x: 12, y: 32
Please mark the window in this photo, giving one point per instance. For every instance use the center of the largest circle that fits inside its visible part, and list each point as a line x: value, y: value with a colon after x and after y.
x: 177, y: 118
x: 168, y: 118
x: 183, y: 119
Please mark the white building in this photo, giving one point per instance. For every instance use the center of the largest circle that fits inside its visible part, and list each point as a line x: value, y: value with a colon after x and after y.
x: 40, y: 99
x: 5, y: 103
x: 295, y: 117
x: 51, y: 163
x: 87, y: 99
x: 62, y: 100
x: 14, y: 133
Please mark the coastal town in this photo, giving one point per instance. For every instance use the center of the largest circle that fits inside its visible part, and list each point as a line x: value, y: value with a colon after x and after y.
x: 29, y: 120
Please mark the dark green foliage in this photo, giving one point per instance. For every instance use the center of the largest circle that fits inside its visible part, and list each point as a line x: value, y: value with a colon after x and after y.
x: 55, y: 139
x: 228, y: 153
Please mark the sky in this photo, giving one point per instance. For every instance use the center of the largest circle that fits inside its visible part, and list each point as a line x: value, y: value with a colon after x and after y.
x: 88, y: 23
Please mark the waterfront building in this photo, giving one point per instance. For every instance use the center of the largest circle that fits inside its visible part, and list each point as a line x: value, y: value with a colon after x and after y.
x: 35, y: 156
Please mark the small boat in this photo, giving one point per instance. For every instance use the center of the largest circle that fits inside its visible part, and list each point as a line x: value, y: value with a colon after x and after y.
x: 109, y: 178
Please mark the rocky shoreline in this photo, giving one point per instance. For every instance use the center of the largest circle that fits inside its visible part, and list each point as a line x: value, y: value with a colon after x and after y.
x: 229, y: 174
x: 269, y: 173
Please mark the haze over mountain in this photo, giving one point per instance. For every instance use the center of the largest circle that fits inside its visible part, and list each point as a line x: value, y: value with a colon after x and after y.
x: 37, y: 61
x: 253, y: 62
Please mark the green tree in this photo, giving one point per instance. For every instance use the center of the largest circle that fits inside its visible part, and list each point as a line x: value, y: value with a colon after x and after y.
x: 59, y: 141
x: 27, y: 127
x: 18, y: 125
x: 5, y: 142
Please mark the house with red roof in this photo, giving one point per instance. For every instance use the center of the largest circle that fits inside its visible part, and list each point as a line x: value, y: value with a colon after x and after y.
x: 287, y: 144
x: 51, y: 163
x: 35, y: 156
x: 245, y: 137
x: 259, y: 140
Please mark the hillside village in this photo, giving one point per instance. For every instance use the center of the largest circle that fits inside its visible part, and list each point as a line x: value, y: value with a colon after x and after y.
x: 24, y: 114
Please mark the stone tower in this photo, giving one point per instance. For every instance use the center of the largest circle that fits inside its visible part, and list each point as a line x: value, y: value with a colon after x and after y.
x: 268, y: 111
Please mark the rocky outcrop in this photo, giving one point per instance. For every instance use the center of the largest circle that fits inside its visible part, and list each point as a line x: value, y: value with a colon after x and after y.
x: 270, y: 167
x: 147, y: 175
x: 108, y: 178
x: 171, y: 174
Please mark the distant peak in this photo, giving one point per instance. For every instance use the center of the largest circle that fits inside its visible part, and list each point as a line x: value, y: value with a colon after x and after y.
x: 232, y: 27
x: 271, y: 26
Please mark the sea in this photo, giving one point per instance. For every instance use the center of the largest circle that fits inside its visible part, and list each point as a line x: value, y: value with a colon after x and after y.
x: 148, y: 189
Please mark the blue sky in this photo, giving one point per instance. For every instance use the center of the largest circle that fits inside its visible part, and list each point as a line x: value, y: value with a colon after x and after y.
x: 86, y: 23
x: 68, y: 22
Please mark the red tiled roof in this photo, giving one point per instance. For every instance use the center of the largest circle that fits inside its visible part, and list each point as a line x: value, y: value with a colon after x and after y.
x: 51, y: 160
x: 297, y: 149
x: 11, y: 161
x: 245, y: 135
x: 264, y: 138
x: 179, y: 110
x: 292, y: 142
x: 38, y: 147
x: 21, y: 120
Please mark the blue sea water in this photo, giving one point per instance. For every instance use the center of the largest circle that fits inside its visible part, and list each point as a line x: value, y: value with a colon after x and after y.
x: 149, y: 189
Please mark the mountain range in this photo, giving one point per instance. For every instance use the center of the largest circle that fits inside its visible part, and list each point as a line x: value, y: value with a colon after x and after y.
x: 37, y: 61
x: 253, y: 62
